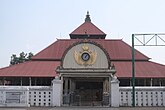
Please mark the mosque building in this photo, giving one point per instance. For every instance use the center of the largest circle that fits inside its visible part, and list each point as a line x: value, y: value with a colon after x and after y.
x: 86, y: 63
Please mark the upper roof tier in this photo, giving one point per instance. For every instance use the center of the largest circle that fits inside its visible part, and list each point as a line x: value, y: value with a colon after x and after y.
x: 87, y: 31
x: 116, y: 49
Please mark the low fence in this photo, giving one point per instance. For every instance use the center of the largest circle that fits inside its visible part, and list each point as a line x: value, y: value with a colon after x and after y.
x: 40, y: 96
x: 43, y: 96
x: 14, y: 96
x: 144, y: 96
x: 21, y: 96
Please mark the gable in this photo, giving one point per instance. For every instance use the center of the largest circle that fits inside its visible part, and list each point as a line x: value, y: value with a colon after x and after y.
x: 85, y: 55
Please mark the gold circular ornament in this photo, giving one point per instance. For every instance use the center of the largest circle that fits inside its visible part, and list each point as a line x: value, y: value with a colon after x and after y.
x: 85, y: 56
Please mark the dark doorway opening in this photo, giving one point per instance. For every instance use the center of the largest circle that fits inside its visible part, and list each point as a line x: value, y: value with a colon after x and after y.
x: 91, y: 93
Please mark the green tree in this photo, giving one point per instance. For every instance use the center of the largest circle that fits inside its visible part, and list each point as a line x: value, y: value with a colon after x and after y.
x: 22, y: 58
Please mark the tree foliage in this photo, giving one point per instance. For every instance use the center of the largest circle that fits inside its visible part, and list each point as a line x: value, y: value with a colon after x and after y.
x: 22, y: 58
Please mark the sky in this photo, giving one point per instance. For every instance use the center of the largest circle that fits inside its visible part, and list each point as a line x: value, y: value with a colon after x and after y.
x: 32, y: 25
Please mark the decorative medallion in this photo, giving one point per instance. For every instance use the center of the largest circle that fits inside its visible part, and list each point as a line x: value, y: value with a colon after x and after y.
x: 85, y: 57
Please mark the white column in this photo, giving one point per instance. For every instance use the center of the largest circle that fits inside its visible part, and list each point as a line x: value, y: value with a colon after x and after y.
x: 73, y: 86
x: 30, y: 81
x: 21, y: 81
x: 115, y: 93
x: 106, y: 86
x: 57, y: 92
x: 151, y: 82
x: 66, y: 86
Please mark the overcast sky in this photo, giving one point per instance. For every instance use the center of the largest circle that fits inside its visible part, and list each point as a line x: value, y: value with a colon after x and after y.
x: 32, y: 25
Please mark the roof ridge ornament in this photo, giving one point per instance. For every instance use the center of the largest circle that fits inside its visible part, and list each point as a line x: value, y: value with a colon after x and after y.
x: 87, y: 19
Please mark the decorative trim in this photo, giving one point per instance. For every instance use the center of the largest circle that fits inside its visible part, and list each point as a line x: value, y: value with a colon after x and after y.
x: 90, y: 42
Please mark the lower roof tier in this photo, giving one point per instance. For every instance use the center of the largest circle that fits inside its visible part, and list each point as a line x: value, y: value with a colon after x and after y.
x: 143, y: 69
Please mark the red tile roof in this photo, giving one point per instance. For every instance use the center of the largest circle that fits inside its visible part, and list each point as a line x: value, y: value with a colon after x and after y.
x: 55, y: 50
x: 117, y: 49
x: 87, y: 28
x: 119, y: 52
x: 143, y: 69
x: 31, y: 69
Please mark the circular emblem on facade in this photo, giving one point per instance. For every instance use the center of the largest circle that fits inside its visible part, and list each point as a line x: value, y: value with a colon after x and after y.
x: 85, y: 56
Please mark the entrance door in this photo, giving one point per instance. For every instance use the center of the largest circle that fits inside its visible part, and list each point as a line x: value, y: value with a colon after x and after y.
x: 90, y: 93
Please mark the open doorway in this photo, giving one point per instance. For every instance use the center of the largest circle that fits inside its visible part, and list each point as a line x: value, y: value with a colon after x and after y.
x: 90, y: 93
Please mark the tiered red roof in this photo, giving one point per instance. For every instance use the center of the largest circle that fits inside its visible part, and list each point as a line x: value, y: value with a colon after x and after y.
x: 46, y: 61
x: 143, y: 69
x: 31, y: 69
x: 117, y: 49
x: 87, y: 30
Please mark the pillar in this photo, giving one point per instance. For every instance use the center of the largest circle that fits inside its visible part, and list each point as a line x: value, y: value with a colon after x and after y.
x: 57, y: 92
x: 4, y: 81
x: 21, y: 81
x: 160, y: 82
x: 30, y: 81
x: 106, y: 95
x: 72, y: 86
x: 106, y: 86
x: 66, y: 86
x: 115, y: 96
x: 35, y: 81
x: 151, y: 82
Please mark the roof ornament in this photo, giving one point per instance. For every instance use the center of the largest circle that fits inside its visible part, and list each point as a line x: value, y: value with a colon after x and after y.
x: 87, y: 19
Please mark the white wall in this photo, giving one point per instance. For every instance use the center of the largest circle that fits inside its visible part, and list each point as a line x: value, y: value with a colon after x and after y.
x: 43, y: 96
x: 14, y: 96
x: 144, y: 96
x: 40, y: 96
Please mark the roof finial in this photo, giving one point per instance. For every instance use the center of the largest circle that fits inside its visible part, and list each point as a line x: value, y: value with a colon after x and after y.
x: 87, y: 12
x: 87, y: 19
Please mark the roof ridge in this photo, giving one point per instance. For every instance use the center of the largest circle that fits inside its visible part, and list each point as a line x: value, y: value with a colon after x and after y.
x: 157, y: 63
x: 14, y: 65
x: 136, y: 50
x: 97, y: 28
x: 87, y: 23
x: 45, y: 48
x: 120, y: 39
x: 87, y: 30
x: 113, y: 39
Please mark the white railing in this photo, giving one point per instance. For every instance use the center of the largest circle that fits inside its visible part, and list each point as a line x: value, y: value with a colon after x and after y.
x: 144, y: 96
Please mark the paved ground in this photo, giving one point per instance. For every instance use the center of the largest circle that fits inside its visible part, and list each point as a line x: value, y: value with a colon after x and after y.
x: 85, y: 108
